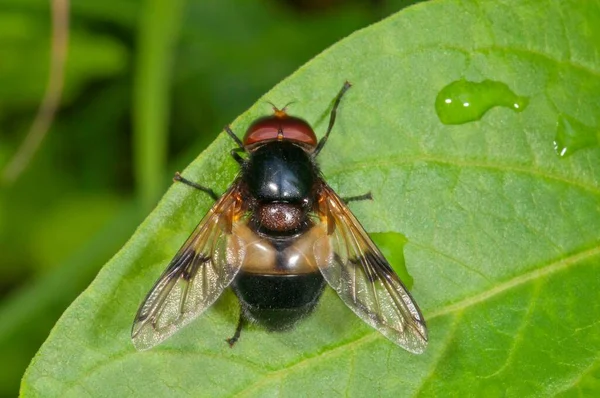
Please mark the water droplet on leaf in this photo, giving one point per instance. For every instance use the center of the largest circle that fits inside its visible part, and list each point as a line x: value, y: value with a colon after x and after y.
x: 463, y: 101
x: 572, y: 135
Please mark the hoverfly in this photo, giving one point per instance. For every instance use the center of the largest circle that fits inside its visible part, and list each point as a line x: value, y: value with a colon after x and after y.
x: 276, y: 237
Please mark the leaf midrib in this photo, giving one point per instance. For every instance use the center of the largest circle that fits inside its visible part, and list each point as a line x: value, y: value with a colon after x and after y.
x: 548, y: 269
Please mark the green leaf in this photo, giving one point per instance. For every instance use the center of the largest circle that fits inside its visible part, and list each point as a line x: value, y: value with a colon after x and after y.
x: 30, y: 313
x: 502, y: 234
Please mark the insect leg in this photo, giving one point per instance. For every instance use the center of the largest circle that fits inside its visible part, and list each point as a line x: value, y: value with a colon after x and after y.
x: 238, y: 330
x: 332, y: 115
x: 234, y: 154
x: 179, y: 178
x: 234, y: 137
x: 366, y: 196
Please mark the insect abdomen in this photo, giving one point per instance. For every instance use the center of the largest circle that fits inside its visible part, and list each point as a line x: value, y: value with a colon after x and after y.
x: 278, y: 301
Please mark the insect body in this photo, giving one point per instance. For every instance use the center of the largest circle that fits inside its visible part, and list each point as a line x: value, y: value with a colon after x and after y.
x: 277, y: 237
x: 279, y: 282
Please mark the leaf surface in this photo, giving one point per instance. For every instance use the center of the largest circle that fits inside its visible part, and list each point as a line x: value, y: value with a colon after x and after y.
x: 502, y: 234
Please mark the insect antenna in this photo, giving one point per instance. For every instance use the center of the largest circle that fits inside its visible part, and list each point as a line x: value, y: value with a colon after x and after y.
x: 280, y: 112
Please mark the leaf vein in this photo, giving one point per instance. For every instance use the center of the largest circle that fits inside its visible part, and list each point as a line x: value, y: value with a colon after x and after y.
x: 330, y: 352
x: 546, y: 270
x: 518, y: 336
x: 371, y: 163
x: 452, y: 308
x: 440, y: 356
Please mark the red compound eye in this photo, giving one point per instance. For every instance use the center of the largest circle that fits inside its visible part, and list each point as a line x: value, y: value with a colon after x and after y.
x: 280, y: 126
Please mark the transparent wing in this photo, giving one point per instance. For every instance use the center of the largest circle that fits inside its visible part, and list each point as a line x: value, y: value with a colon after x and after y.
x: 355, y: 268
x: 200, y: 271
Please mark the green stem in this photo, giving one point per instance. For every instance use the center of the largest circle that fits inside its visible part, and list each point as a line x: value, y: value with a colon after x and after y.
x: 158, y: 32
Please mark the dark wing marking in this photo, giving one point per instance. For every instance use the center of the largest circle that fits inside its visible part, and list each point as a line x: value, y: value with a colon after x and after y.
x: 355, y: 268
x: 200, y: 271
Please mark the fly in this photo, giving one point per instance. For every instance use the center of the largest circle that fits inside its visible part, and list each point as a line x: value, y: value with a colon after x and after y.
x: 277, y: 237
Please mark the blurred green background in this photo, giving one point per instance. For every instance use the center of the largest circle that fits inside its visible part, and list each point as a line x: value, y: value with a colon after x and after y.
x: 148, y: 85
